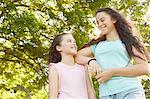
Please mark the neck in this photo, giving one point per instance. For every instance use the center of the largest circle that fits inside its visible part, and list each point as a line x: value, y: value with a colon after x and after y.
x: 113, y: 35
x: 67, y: 59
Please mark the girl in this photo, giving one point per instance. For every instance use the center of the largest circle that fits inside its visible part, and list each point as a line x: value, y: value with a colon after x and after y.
x: 113, y: 51
x: 67, y: 80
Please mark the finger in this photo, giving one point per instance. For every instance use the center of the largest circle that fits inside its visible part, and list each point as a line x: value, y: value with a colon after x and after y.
x: 100, y: 81
x: 98, y: 76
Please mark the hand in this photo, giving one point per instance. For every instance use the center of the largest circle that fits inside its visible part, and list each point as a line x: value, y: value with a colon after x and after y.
x: 94, y: 68
x: 104, y: 76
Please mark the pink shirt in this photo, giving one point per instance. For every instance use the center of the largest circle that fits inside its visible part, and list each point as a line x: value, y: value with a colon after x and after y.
x: 72, y: 81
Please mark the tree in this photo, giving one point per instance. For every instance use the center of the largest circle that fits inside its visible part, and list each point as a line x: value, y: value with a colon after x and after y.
x: 27, y: 28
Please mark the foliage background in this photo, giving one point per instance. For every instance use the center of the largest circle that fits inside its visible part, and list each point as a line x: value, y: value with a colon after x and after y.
x: 27, y: 28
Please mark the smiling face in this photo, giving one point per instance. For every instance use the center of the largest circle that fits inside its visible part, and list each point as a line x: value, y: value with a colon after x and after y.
x: 105, y: 23
x: 68, y: 45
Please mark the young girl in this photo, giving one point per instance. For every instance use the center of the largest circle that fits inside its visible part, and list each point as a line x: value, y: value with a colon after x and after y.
x: 67, y: 80
x: 113, y: 51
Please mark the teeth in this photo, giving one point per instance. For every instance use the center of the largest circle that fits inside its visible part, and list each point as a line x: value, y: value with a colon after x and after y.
x: 103, y: 26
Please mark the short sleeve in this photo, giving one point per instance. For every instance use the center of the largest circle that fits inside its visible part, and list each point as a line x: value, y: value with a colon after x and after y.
x: 93, y: 47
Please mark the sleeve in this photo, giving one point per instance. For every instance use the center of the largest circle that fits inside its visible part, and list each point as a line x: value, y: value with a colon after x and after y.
x: 93, y: 47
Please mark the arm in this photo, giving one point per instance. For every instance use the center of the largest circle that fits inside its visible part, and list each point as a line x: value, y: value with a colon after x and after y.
x: 139, y: 68
x: 84, y: 55
x: 137, y: 34
x: 53, y: 83
x: 90, y: 89
x: 147, y: 55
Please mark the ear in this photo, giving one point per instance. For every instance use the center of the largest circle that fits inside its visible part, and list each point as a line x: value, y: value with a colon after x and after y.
x: 114, y: 20
x: 58, y: 48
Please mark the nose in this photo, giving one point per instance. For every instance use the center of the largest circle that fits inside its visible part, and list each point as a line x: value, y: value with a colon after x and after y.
x: 99, y: 24
x: 74, y: 43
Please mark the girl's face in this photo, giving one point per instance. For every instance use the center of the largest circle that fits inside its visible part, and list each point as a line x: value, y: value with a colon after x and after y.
x: 105, y: 23
x: 68, y: 45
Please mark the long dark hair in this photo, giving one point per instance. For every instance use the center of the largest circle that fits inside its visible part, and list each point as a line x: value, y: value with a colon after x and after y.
x: 124, y: 32
x: 54, y: 55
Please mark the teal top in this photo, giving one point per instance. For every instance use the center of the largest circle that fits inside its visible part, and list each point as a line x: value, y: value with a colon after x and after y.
x: 113, y: 54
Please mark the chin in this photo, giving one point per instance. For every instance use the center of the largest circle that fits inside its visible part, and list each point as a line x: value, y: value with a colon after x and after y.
x: 74, y: 53
x: 104, y: 33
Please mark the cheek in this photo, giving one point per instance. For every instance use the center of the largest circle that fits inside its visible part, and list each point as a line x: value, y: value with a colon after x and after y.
x: 64, y: 48
x: 111, y: 26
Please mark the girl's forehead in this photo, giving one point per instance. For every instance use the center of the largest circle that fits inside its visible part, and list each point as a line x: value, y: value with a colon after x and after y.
x: 101, y: 14
x: 68, y: 36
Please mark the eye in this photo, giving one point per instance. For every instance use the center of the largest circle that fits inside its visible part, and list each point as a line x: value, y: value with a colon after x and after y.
x: 102, y: 19
x: 69, y: 40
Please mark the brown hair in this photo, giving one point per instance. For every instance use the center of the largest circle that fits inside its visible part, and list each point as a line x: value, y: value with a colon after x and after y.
x: 124, y: 32
x: 54, y: 55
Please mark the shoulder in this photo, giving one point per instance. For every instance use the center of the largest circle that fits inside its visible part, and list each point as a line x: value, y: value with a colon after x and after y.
x: 53, y: 66
x: 100, y: 44
x: 52, y: 70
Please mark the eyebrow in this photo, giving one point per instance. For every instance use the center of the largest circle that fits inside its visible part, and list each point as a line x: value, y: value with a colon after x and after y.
x: 71, y: 40
x: 101, y: 18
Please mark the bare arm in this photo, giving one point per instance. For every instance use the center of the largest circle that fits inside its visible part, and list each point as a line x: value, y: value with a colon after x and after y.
x: 84, y: 55
x: 140, y: 67
x: 137, y: 34
x: 53, y: 83
x: 91, y: 92
x: 147, y: 55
